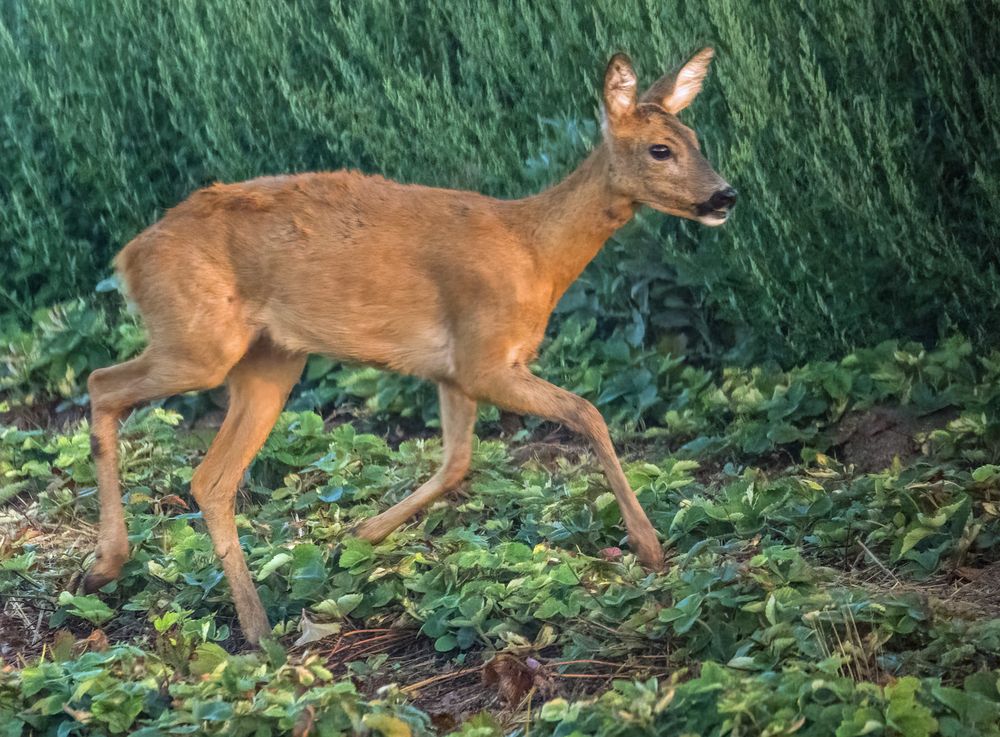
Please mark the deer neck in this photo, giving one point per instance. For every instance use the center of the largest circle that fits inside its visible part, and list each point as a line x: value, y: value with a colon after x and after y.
x: 572, y: 220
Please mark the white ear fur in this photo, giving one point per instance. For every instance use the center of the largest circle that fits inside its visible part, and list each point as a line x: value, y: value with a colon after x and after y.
x: 687, y: 82
x: 620, y: 84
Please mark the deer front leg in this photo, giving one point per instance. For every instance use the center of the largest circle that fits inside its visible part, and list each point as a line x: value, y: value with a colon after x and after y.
x: 518, y: 390
x: 458, y: 418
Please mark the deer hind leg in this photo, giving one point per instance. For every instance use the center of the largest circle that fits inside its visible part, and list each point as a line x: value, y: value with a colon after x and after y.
x: 258, y: 387
x: 518, y: 390
x: 458, y: 418
x: 158, y: 372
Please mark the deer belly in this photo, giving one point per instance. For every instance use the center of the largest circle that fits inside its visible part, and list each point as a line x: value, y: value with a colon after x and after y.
x: 400, y: 340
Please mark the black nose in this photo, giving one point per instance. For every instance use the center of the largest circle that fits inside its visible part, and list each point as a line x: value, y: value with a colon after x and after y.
x: 723, y: 199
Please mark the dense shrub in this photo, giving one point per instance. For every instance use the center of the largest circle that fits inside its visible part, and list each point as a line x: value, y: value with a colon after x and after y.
x: 863, y: 137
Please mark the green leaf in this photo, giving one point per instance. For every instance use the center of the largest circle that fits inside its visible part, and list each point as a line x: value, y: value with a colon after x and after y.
x: 212, y: 711
x: 207, y: 657
x: 863, y: 721
x: 445, y: 643
x: 355, y: 551
x: 87, y: 607
x: 564, y: 574
x: 905, y: 713
x: 274, y: 564
x: 971, y: 707
x: 11, y: 726
x: 308, y: 571
x: 348, y: 603
x: 911, y: 538
x: 165, y: 621
x: 986, y: 473
x: 20, y: 563
x: 387, y: 725
x: 554, y: 710
x: 549, y: 608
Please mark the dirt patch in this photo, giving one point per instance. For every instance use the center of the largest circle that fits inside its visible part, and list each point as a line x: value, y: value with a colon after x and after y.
x: 871, y: 439
x: 506, y: 685
x: 23, y: 627
x: 978, y: 588
x: 547, y: 454
x: 970, y: 594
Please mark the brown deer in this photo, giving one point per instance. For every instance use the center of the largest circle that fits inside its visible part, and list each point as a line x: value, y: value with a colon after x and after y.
x: 240, y: 282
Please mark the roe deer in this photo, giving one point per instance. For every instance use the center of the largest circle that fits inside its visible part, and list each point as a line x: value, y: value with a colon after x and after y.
x: 240, y: 282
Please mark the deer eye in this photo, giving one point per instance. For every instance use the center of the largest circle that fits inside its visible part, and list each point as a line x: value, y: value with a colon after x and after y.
x: 660, y: 152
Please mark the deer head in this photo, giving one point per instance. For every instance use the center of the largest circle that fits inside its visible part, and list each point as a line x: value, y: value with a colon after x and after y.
x: 655, y: 159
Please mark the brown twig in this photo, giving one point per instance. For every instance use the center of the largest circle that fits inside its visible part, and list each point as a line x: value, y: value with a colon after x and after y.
x: 879, y: 563
x: 436, y: 679
x: 587, y: 661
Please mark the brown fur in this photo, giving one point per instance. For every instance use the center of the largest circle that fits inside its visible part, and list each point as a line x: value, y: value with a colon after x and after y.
x: 241, y: 281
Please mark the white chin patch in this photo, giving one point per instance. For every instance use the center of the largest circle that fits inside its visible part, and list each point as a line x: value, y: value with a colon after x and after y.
x: 713, y: 219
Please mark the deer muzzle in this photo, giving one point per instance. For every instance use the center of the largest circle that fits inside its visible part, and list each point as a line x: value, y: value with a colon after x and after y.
x: 715, y: 210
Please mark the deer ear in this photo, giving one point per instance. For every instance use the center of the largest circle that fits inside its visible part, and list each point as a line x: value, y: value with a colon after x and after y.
x: 619, y: 89
x: 674, y: 92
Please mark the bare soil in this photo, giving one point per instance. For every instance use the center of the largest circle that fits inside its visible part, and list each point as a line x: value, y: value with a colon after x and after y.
x: 871, y: 439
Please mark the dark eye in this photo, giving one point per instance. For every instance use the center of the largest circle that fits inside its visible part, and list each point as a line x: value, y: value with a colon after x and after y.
x: 660, y: 152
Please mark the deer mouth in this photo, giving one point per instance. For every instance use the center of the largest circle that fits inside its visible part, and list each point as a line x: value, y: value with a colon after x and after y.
x: 713, y: 217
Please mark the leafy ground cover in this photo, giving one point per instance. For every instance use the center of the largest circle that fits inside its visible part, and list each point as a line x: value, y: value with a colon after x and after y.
x: 834, y: 564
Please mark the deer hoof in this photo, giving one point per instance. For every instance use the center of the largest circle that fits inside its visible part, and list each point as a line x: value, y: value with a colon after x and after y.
x: 254, y: 635
x: 650, y: 555
x: 106, y: 568
x: 94, y: 580
x: 371, y: 530
x: 255, y: 626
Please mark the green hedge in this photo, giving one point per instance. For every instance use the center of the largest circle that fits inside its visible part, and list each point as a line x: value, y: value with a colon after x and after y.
x: 862, y: 136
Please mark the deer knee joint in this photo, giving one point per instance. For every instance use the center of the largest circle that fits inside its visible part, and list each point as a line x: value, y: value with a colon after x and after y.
x: 587, y: 420
x: 456, y: 468
x: 94, y: 382
x: 212, y: 492
x: 96, y: 389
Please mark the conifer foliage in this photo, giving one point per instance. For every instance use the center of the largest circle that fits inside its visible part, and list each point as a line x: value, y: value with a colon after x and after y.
x: 863, y: 137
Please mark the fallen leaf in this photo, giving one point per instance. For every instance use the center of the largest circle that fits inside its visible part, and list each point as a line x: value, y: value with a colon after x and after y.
x: 514, y: 678
x: 95, y: 642
x: 79, y: 715
x: 174, y: 500
x: 611, y: 554
x: 304, y: 724
x: 443, y: 722
x: 315, y: 631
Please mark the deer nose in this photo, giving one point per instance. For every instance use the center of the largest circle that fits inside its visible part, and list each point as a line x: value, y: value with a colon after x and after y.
x: 723, y: 199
